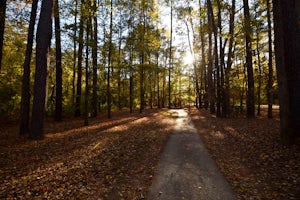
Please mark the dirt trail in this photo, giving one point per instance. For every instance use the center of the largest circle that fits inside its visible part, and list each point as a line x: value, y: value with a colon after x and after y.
x: 186, y: 170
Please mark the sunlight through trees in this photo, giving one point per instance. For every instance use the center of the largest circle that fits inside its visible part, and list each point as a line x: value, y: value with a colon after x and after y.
x: 214, y: 54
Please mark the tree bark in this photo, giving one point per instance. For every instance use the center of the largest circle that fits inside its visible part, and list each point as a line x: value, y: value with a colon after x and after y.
x: 79, y: 65
x: 25, y: 99
x: 2, y: 27
x: 44, y: 34
x: 109, y: 61
x: 270, y: 63
x: 87, y: 87
x: 287, y: 47
x: 226, y: 108
x: 248, y: 64
x: 58, y: 92
x: 203, y: 79
x: 95, y: 64
x: 157, y: 80
x: 259, y: 73
x: 211, y: 89
x: 170, y: 57
x: 119, y: 68
x: 74, y: 53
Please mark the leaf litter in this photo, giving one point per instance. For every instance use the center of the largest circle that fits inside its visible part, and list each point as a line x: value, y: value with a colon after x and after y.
x: 109, y: 159
x: 116, y: 158
x: 250, y: 155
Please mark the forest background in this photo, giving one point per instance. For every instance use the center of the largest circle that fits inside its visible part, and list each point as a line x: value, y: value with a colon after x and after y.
x: 108, y: 55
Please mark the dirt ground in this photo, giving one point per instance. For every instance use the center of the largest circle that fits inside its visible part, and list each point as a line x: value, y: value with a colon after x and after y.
x: 117, y: 158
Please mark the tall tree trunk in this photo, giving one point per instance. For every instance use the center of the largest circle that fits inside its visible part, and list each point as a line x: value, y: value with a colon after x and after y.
x: 226, y: 108
x: 142, y: 84
x: 150, y: 86
x: 2, y: 26
x: 109, y: 61
x: 95, y: 63
x: 216, y: 56
x: 74, y: 53
x: 270, y: 63
x: 221, y: 90
x: 211, y: 89
x: 170, y: 56
x: 44, y: 34
x: 79, y: 64
x: 87, y: 87
x: 131, y: 91
x: 248, y: 64
x: 119, y: 68
x: 202, y: 95
x: 58, y: 95
x: 259, y: 74
x: 287, y: 48
x: 142, y: 60
x: 131, y: 87
x: 157, y: 80
x: 25, y: 99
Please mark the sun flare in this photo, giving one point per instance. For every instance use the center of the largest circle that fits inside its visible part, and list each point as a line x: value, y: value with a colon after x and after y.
x: 188, y: 58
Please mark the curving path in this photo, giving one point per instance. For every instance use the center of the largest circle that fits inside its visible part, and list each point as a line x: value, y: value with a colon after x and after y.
x: 186, y: 170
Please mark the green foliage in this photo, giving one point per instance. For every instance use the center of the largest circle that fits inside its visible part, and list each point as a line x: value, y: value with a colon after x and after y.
x: 9, y: 102
x: 11, y: 73
x: 137, y: 32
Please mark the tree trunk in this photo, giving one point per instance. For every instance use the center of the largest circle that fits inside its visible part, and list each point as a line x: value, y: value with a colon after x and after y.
x: 131, y: 91
x: 2, y: 26
x: 221, y: 90
x: 259, y: 74
x: 226, y: 108
x: 170, y: 57
x: 142, y: 85
x: 44, y: 34
x: 74, y: 54
x: 202, y: 95
x: 157, y: 80
x: 109, y: 61
x: 270, y: 64
x: 216, y: 62
x: 119, y: 69
x: 163, y: 99
x: 25, y: 101
x: 95, y: 64
x: 211, y: 89
x: 287, y: 47
x: 249, y: 65
x: 87, y: 87
x: 131, y: 88
x: 79, y: 65
x: 58, y: 96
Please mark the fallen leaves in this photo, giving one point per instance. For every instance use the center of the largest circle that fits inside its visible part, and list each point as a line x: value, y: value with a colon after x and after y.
x: 110, y: 159
x: 250, y: 155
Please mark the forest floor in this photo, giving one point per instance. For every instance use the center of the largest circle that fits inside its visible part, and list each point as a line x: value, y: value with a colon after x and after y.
x: 117, y: 158
x: 249, y: 154
x: 109, y: 159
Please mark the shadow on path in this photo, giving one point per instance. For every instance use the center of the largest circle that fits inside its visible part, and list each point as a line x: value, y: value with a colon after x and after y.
x: 186, y: 170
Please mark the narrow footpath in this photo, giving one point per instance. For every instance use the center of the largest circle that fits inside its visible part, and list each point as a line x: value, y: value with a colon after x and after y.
x: 186, y: 170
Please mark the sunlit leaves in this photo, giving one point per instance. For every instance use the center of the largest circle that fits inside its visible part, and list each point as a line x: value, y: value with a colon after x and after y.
x: 110, y: 159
